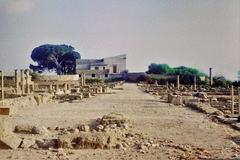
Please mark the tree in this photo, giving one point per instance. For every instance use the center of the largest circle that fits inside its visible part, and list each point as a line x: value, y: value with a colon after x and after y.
x: 60, y: 58
x: 159, y: 69
x: 221, y: 81
x: 186, y: 73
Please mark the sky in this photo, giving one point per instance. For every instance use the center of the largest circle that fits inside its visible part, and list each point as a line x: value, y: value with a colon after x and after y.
x: 194, y: 33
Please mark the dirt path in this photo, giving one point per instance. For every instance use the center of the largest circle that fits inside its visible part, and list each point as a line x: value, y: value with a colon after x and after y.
x: 149, y: 116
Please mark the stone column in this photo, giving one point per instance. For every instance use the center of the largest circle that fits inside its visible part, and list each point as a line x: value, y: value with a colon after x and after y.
x: 82, y: 79
x: 195, y: 83
x: 57, y: 87
x: 2, y: 87
x: 232, y: 97
x: 178, y: 82
x: 50, y: 87
x: 65, y: 87
x: 22, y: 81
x: 27, y: 81
x: 238, y: 103
x: 167, y: 85
x: 210, y: 76
x: 16, y: 81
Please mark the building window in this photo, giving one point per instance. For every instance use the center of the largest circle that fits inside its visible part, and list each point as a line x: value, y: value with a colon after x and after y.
x: 106, y: 75
x: 93, y: 75
x: 115, y: 69
x: 96, y: 68
x: 104, y: 68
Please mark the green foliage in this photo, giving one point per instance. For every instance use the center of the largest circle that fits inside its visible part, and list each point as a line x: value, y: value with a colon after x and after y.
x: 159, y: 69
x: 60, y: 58
x: 93, y: 80
x: 116, y: 79
x: 151, y: 79
x: 236, y: 83
x: 221, y: 81
x: 186, y: 73
x: 34, y: 75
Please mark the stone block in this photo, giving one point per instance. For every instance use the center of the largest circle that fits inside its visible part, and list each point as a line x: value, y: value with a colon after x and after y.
x: 4, y: 110
x: 175, y: 99
x: 7, y: 139
x: 86, y: 94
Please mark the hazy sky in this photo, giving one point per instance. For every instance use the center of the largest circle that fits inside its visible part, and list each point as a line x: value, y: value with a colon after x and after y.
x: 196, y: 33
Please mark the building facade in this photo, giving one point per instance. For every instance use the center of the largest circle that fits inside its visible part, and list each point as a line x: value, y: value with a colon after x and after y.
x: 110, y: 67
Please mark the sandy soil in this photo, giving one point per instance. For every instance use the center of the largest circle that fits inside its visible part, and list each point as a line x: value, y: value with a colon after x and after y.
x: 148, y: 115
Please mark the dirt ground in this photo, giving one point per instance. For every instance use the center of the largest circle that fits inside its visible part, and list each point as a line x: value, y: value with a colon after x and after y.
x: 154, y: 119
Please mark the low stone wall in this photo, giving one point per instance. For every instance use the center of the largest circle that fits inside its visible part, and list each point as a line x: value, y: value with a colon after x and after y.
x: 215, y: 114
x: 28, y: 101
x: 58, y: 78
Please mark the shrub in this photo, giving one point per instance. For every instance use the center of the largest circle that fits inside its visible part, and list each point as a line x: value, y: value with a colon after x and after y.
x: 93, y: 80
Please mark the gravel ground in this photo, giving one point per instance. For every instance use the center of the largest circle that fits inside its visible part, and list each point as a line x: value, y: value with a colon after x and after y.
x: 149, y: 116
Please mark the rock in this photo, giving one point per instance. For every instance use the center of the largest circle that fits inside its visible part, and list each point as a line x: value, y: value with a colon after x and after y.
x: 64, y: 142
x: 7, y: 139
x: 31, y: 129
x: 87, y: 95
x: 218, y: 113
x: 202, y: 95
x: 47, y: 143
x: 214, y: 99
x: 124, y: 145
x: 142, y: 151
x: 142, y: 147
x: 190, y: 100
x: 119, y: 146
x: 84, y: 128
x: 124, y: 126
x: 113, y: 118
x: 175, y: 99
x: 27, y: 143
x: 99, y: 127
x: 73, y: 130
x: 90, y: 140
x: 227, y: 112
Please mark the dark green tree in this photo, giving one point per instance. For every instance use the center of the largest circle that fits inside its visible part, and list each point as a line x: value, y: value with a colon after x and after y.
x: 159, y: 69
x: 186, y: 73
x: 221, y: 81
x: 60, y: 58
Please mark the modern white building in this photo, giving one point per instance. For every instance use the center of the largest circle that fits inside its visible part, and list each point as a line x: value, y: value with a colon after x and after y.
x: 109, y: 67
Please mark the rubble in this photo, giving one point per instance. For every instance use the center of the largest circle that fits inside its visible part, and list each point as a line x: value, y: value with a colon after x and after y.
x: 113, y: 118
x: 30, y: 129
x: 211, y: 101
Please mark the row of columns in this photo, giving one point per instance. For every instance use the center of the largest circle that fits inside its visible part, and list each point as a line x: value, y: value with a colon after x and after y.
x: 194, y: 82
x: 178, y: 83
x: 22, y: 82
x: 66, y: 87
x: 233, y: 103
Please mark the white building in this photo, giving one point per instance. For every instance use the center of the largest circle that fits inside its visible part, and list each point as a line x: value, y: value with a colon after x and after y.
x: 109, y: 67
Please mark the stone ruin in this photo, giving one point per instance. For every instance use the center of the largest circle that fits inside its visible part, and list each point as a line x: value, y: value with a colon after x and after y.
x: 112, y: 131
x: 21, y: 89
x: 221, y: 101
x: 106, y: 132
